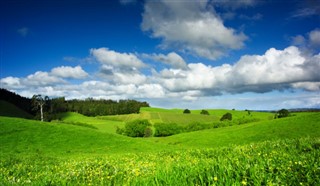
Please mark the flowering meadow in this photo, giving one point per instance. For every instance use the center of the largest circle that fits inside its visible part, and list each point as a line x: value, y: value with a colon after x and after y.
x: 282, y: 162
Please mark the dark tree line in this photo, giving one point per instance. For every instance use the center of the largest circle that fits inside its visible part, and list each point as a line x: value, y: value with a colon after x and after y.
x: 89, y: 107
x: 17, y: 100
x: 92, y: 107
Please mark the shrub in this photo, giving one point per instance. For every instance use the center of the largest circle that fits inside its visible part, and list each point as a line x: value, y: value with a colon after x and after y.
x: 226, y: 116
x: 167, y: 129
x: 148, y: 132
x: 186, y: 111
x: 249, y: 112
x: 120, y: 130
x: 136, y: 128
x: 197, y: 126
x: 204, y: 112
x: 282, y: 113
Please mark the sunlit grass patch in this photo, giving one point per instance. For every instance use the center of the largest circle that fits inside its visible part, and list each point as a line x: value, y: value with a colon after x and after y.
x: 281, y: 162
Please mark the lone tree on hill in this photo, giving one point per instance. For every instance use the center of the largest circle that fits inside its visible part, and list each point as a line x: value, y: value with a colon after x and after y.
x: 38, y: 102
x: 282, y: 113
x: 226, y: 116
x: 186, y: 111
x: 204, y: 112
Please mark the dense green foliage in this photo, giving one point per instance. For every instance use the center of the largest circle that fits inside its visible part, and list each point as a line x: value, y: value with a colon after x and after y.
x: 50, y: 109
x: 136, y: 128
x: 17, y: 100
x: 167, y: 129
x: 204, y: 112
x: 9, y: 109
x: 186, y: 111
x: 91, y: 107
x: 227, y: 116
x: 282, y: 113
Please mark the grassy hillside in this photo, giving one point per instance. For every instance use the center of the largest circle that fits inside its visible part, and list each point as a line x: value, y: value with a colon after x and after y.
x: 302, y: 125
x: 10, y: 110
x: 101, y: 124
x: 34, y: 137
x: 272, y: 152
x: 28, y: 136
x: 158, y: 115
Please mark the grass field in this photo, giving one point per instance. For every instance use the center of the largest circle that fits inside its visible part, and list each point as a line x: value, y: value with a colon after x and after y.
x: 158, y: 115
x: 68, y: 152
x: 99, y: 123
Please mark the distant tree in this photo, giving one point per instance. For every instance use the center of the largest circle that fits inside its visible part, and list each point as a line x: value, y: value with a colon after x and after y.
x: 227, y: 116
x: 204, y: 112
x: 186, y: 111
x: 58, y: 105
x: 282, y: 113
x: 249, y: 112
x: 38, y: 102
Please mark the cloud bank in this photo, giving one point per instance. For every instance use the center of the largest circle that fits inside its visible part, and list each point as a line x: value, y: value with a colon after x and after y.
x: 120, y: 76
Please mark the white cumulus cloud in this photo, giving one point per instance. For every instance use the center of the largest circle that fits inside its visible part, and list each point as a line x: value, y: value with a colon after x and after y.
x: 116, y: 59
x: 69, y: 72
x: 10, y: 81
x: 173, y: 59
x: 129, y: 78
x: 41, y: 79
x: 274, y: 70
x: 193, y: 27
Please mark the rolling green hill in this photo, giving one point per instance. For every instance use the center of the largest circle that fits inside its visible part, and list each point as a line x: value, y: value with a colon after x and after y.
x: 302, y: 125
x: 270, y: 152
x: 35, y: 137
x: 20, y: 135
x: 9, y: 109
x: 159, y: 115
x: 101, y: 124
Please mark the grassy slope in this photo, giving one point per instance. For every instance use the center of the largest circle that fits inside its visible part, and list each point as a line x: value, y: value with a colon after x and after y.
x: 159, y: 115
x: 101, y: 124
x: 302, y: 125
x: 28, y: 136
x: 8, y: 109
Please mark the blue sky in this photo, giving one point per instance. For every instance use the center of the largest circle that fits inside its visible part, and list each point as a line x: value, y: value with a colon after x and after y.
x: 176, y: 54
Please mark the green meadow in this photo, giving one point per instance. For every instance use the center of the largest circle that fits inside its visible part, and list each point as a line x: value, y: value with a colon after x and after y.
x: 252, y: 149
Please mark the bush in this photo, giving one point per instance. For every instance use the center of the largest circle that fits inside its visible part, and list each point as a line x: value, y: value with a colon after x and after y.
x: 167, y: 129
x: 136, y: 128
x: 227, y: 116
x: 197, y: 126
x: 282, y: 113
x: 204, y: 112
x: 120, y: 130
x: 186, y: 111
x: 148, y: 132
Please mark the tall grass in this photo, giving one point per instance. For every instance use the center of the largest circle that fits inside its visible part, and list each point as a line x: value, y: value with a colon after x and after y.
x: 284, y: 162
